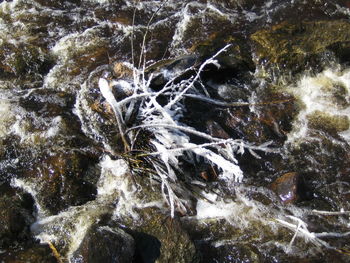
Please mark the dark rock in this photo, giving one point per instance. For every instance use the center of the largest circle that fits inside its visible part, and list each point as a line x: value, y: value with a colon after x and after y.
x: 23, y: 59
x: 160, y: 238
x: 63, y: 180
x: 37, y: 253
x: 286, y: 187
x: 325, y: 171
x: 231, y: 254
x: 215, y: 130
x: 16, y: 215
x: 104, y: 244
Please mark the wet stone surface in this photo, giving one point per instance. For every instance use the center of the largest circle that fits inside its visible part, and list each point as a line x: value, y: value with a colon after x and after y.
x: 52, y: 54
x: 64, y: 181
x: 17, y: 213
x: 103, y: 244
x: 286, y: 187
x: 34, y: 254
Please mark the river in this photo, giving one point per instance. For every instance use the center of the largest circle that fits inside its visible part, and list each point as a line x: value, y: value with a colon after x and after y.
x: 174, y: 131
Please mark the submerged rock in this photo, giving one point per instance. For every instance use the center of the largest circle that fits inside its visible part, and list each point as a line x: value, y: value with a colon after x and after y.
x: 16, y: 215
x: 37, y: 253
x: 160, y: 238
x: 23, y: 60
x: 297, y: 46
x: 63, y: 181
x: 231, y: 254
x: 104, y: 244
x: 331, y: 123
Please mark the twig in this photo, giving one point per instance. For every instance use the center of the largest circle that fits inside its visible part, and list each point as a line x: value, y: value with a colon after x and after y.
x: 55, y: 252
x: 330, y: 213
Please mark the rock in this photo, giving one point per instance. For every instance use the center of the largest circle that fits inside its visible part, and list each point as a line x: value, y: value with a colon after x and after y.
x: 325, y: 171
x: 294, y: 46
x: 231, y: 254
x: 160, y: 238
x: 16, y: 215
x: 104, y: 244
x: 23, y: 60
x: 63, y: 180
x: 203, y: 35
x: 37, y: 253
x: 286, y: 187
x: 331, y: 123
x: 215, y: 130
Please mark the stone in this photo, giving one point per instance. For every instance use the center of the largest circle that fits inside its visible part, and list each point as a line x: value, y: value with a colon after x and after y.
x: 160, y: 238
x: 231, y: 254
x: 37, y: 253
x: 104, y: 244
x: 295, y: 46
x: 331, y: 123
x: 63, y: 180
x: 23, y: 60
x: 122, y: 71
x: 16, y: 215
x: 286, y: 187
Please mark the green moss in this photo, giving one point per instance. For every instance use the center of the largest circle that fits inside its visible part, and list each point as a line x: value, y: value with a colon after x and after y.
x: 324, y: 121
x: 293, y: 45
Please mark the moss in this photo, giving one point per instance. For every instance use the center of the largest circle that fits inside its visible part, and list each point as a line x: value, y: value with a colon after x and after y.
x: 292, y: 46
x: 326, y: 122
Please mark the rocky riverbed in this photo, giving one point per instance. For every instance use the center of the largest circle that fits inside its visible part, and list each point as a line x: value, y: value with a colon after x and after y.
x: 222, y: 134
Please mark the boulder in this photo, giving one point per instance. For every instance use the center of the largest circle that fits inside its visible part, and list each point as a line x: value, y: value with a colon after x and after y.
x: 63, y: 180
x: 22, y: 60
x: 160, y: 238
x: 297, y: 46
x: 104, y: 244
x: 16, y: 215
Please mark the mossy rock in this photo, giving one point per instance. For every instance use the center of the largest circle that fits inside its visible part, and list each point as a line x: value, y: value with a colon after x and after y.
x: 326, y: 122
x: 294, y: 46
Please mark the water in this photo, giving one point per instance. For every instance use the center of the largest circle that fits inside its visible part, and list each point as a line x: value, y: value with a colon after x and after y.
x: 270, y: 114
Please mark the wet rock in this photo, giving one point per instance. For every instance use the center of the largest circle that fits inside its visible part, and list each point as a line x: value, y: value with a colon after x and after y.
x: 48, y: 103
x: 104, y: 244
x: 23, y: 59
x: 203, y: 35
x: 331, y: 123
x: 160, y: 238
x: 231, y: 254
x: 37, y: 253
x: 215, y: 130
x: 16, y: 215
x: 63, y: 180
x: 325, y: 171
x: 286, y: 187
x: 296, y: 46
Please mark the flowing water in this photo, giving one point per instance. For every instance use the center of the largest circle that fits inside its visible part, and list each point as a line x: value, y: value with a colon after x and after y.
x: 272, y: 186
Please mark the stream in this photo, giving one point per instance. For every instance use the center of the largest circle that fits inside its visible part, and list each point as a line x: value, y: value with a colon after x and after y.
x: 174, y: 131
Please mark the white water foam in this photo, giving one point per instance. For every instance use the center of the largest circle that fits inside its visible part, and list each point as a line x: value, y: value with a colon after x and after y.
x: 114, y: 189
x: 318, y: 94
